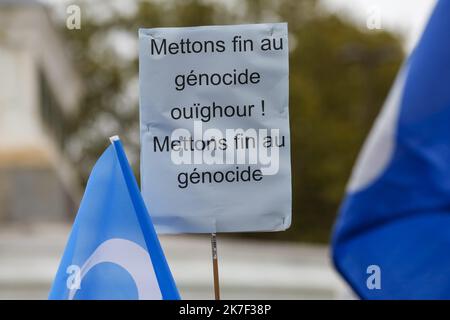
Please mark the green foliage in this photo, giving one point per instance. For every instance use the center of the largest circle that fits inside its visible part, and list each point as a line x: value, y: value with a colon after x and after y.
x: 339, y: 78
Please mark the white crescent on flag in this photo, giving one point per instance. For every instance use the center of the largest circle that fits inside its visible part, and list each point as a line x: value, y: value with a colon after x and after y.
x: 131, y: 257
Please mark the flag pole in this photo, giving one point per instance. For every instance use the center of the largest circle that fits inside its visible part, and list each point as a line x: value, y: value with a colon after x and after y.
x: 215, y: 266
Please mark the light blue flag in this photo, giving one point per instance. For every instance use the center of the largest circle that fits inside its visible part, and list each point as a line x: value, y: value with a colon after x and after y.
x: 392, y: 238
x: 113, y: 251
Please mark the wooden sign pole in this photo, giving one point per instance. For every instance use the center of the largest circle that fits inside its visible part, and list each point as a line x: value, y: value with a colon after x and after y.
x: 215, y: 266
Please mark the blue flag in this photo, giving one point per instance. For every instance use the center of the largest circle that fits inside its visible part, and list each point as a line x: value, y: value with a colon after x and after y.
x: 392, y: 237
x: 113, y: 251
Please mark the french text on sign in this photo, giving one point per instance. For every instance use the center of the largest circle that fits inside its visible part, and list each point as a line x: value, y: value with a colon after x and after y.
x: 214, y: 117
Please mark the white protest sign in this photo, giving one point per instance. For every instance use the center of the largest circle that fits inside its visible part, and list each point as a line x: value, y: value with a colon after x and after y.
x: 214, y: 117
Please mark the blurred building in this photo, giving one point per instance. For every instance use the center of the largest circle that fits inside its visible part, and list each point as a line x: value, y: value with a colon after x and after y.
x: 39, y: 91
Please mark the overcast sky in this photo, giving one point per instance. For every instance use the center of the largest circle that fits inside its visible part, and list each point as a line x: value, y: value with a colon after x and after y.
x: 407, y: 17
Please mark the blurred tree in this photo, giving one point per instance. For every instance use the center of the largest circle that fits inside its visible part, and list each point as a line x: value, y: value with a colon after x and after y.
x: 339, y: 78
